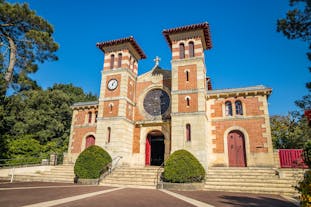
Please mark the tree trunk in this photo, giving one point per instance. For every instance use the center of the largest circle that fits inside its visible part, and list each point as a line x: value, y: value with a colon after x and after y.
x: 9, y: 73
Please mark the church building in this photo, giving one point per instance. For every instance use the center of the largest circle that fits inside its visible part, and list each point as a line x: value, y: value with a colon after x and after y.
x: 145, y: 118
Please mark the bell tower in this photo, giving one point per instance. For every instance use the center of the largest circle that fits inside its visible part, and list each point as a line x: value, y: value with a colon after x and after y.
x: 189, y: 119
x: 115, y: 124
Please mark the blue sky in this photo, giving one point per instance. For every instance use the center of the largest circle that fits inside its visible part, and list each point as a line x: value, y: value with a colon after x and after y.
x: 246, y: 51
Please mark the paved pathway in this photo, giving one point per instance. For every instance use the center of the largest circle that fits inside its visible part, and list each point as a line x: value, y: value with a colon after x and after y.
x: 35, y: 194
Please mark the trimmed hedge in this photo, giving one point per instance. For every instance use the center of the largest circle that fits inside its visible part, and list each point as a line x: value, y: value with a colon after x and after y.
x: 91, y: 162
x: 183, y: 167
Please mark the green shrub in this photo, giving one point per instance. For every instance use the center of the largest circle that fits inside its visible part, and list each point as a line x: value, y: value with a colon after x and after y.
x: 304, y: 188
x: 307, y: 154
x: 183, y: 167
x: 91, y: 162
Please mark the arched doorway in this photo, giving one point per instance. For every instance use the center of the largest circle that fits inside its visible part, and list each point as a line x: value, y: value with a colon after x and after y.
x: 236, y: 149
x: 89, y: 141
x: 155, y: 148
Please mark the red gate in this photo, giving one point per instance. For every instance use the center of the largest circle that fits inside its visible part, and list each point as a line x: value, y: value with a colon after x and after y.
x: 291, y: 158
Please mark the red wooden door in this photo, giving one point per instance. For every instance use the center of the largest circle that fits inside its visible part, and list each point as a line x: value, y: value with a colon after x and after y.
x: 90, y: 140
x: 236, y: 149
x: 148, y: 149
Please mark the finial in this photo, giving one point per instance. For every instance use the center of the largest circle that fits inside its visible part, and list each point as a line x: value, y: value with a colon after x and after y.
x: 157, y: 60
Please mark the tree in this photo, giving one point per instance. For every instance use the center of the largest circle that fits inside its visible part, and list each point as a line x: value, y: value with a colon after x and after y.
x: 297, y: 25
x: 42, y: 115
x: 25, y: 40
x: 289, y: 132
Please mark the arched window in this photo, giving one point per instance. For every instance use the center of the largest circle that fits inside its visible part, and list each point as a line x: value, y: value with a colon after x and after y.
x: 181, y: 51
x: 89, y: 117
x: 110, y: 107
x: 111, y: 61
x: 89, y: 141
x: 191, y: 49
x: 119, y: 60
x: 96, y: 115
x: 130, y: 63
x: 238, y: 108
x: 188, y: 132
x: 228, y: 108
x: 188, y: 101
x: 187, y: 75
x: 108, y: 134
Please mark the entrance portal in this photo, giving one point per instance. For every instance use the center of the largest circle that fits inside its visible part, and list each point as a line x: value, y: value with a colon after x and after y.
x: 155, y: 148
x: 236, y: 149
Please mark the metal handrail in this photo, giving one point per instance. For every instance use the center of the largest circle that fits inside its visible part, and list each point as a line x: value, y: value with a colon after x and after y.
x: 107, y: 170
x: 158, y: 174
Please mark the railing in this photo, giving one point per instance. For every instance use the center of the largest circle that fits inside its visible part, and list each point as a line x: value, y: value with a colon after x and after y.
x: 22, y: 162
x: 109, y: 168
x: 291, y: 158
x: 159, y: 171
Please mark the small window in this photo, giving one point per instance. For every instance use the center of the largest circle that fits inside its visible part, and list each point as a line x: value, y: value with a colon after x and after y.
x: 108, y: 134
x: 228, y: 108
x: 188, y: 101
x: 119, y: 60
x: 96, y: 115
x: 191, y: 49
x: 238, y: 108
x: 112, y: 61
x: 187, y: 75
x: 110, y: 107
x: 90, y: 140
x: 181, y: 51
x: 188, y: 132
x: 130, y: 63
x: 90, y: 117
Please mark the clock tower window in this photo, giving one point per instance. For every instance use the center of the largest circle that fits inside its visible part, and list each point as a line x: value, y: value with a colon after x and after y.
x: 112, y: 61
x: 119, y: 60
x: 191, y: 49
x: 181, y: 50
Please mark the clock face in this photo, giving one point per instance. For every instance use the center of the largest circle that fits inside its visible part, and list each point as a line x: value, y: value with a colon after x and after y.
x: 156, y: 102
x: 112, y: 84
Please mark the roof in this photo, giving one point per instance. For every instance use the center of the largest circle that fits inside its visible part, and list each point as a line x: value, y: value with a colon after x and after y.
x: 104, y: 45
x: 202, y: 26
x: 259, y: 89
x: 85, y: 104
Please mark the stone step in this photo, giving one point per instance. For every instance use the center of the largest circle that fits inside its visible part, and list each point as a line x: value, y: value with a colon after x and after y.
x: 249, y: 184
x: 136, y: 179
x: 234, y: 180
x: 42, y: 179
x: 256, y: 190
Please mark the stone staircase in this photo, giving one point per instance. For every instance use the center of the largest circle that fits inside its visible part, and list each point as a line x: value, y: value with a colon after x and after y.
x: 59, y: 173
x: 253, y: 180
x: 138, y: 177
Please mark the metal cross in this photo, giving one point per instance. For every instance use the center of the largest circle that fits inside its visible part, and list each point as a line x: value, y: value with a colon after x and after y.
x: 157, y: 60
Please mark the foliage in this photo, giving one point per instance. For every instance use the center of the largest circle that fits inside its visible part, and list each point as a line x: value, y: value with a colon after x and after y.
x: 43, y: 115
x: 183, y: 167
x: 25, y: 150
x: 91, y: 162
x: 289, y: 132
x: 307, y: 154
x: 304, y: 188
x: 26, y: 40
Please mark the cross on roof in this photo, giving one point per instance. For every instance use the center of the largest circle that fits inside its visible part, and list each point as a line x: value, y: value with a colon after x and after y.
x: 157, y: 60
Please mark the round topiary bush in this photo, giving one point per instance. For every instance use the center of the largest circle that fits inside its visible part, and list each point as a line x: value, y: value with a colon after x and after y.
x: 91, y: 162
x: 183, y: 167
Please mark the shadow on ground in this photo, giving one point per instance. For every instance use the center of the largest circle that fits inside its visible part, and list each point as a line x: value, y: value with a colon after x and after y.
x: 260, y: 201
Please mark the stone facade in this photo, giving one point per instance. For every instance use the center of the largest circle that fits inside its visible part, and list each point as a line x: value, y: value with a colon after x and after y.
x: 144, y: 118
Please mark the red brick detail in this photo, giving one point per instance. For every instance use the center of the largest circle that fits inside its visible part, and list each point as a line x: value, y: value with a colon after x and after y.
x: 78, y: 137
x: 140, y: 89
x: 183, y: 84
x: 136, y: 140
x: 107, y: 108
x: 130, y: 89
x: 182, y: 103
x: 115, y: 92
x: 129, y: 111
x: 253, y: 128
x: 251, y: 106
